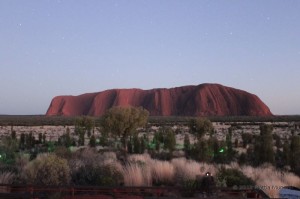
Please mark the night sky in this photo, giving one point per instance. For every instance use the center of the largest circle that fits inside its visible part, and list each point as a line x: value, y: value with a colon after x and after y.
x: 50, y: 48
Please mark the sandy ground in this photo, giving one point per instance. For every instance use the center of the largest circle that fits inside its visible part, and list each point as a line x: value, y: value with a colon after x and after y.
x: 282, y: 129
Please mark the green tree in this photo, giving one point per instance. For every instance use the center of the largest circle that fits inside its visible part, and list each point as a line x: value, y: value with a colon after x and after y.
x: 202, y: 151
x: 277, y: 140
x: 286, y: 152
x: 186, y: 142
x: 157, y: 146
x: 22, y: 141
x: 65, y: 139
x: 123, y: 121
x: 200, y: 126
x: 13, y: 133
x: 230, y: 153
x: 92, y: 142
x: 295, y: 154
x: 218, y: 150
x: 247, y: 139
x: 136, y: 144
x: 40, y: 138
x: 263, y: 147
x: 143, y: 142
x: 84, y: 125
x: 170, y: 139
x: 44, y: 138
x: 29, y: 141
x: 158, y: 136
x: 81, y: 138
x: 103, y: 138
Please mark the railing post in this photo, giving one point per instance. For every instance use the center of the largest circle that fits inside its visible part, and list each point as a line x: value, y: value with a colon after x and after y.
x: 31, y: 191
x: 73, y: 192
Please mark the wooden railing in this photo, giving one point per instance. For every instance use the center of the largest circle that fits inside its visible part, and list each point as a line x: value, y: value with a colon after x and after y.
x: 92, y: 192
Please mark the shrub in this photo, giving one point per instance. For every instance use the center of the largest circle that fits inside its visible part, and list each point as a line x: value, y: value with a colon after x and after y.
x: 105, y: 175
x: 233, y: 177
x: 8, y: 147
x: 88, y: 156
x: 47, y: 170
x: 63, y: 152
x: 189, y: 169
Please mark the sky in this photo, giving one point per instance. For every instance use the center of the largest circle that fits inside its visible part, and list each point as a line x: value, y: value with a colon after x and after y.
x: 57, y: 47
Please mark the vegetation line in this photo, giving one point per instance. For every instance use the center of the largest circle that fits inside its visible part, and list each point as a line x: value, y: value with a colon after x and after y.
x: 40, y: 120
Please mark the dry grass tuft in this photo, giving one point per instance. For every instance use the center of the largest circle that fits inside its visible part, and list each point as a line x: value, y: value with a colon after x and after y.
x: 269, y: 179
x: 136, y: 174
x: 189, y: 169
x: 162, y: 171
x: 6, y: 178
x: 145, y: 158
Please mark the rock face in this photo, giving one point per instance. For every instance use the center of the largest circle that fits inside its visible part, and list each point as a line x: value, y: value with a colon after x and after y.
x: 201, y: 100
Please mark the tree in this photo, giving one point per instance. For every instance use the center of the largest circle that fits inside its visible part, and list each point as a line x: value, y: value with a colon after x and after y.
x: 170, y: 139
x: 295, y: 154
x: 263, y: 147
x: 92, y: 142
x: 81, y: 138
x: 136, y: 144
x: 40, y: 138
x: 13, y: 133
x: 123, y: 121
x: 103, y: 140
x: 218, y: 150
x: 22, y: 141
x: 143, y: 142
x: 247, y: 139
x: 83, y: 125
x: 230, y: 153
x: 286, y: 152
x: 65, y: 139
x: 202, y: 151
x: 186, y: 142
x: 44, y: 138
x: 200, y: 126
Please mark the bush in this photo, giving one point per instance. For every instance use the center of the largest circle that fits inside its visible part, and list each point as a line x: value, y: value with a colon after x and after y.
x: 47, y: 170
x: 105, y: 175
x: 63, y: 152
x: 233, y: 177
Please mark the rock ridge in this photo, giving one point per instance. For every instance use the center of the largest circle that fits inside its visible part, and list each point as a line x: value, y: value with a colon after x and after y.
x: 199, y: 100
